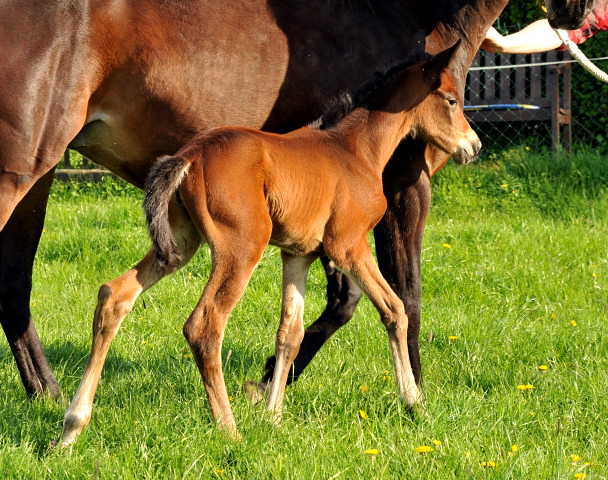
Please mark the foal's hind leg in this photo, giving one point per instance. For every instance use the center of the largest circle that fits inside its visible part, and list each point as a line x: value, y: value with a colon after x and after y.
x: 233, y: 262
x: 291, y: 328
x: 115, y: 301
x: 360, y: 264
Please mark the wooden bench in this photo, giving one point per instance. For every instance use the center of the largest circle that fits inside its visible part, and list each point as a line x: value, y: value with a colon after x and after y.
x: 496, y: 80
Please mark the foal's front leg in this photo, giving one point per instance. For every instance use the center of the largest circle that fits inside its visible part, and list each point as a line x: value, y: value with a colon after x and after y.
x: 342, y: 297
x: 360, y: 264
x: 291, y: 328
x: 115, y: 301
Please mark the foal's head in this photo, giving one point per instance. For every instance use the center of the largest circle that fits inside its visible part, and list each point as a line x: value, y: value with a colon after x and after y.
x: 439, y: 118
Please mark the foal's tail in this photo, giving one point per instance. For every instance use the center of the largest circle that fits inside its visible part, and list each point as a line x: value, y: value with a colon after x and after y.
x: 163, y: 181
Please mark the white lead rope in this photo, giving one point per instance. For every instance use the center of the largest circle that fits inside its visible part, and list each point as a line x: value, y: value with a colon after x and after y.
x: 580, y: 56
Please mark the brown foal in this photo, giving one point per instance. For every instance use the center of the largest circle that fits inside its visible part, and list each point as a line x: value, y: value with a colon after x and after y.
x: 312, y: 192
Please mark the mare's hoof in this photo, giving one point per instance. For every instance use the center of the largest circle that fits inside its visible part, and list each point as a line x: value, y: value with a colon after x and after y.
x: 254, y: 391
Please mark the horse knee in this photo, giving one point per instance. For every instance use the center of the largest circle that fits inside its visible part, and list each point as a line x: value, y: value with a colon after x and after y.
x: 394, y: 316
x: 289, y: 338
x: 15, y: 296
x: 346, y: 306
x: 342, y: 298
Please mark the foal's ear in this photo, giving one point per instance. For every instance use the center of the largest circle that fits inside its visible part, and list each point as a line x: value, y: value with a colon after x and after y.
x: 438, y: 63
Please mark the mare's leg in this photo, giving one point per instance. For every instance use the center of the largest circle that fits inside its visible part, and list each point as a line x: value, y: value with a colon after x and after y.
x: 233, y: 262
x: 291, y: 328
x: 342, y: 297
x: 40, y: 113
x: 18, y: 244
x: 115, y: 301
x: 360, y: 264
x: 399, y: 234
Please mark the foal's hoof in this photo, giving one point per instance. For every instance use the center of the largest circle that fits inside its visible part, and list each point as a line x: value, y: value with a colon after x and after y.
x: 418, y: 411
x: 254, y: 391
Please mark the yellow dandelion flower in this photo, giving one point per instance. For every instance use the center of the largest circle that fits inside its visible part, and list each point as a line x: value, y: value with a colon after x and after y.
x: 543, y: 367
x: 533, y: 414
x: 514, y: 448
x: 573, y: 323
x: 437, y: 442
x: 580, y: 476
x: 553, y: 316
x: 452, y: 337
x: 424, y: 449
x: 446, y: 245
x: 231, y: 398
x: 372, y: 451
x: 364, y: 388
x: 219, y: 471
x: 386, y: 377
x: 505, y: 186
x: 575, y: 458
x: 490, y: 464
x: 527, y: 149
x: 525, y: 387
x: 363, y: 414
x: 187, y: 355
x: 467, y: 454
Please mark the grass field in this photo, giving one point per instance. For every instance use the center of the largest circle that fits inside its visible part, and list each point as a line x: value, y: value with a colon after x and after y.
x: 515, y: 269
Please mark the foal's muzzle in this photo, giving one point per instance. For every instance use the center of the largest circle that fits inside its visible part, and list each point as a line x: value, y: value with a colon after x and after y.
x: 467, y: 150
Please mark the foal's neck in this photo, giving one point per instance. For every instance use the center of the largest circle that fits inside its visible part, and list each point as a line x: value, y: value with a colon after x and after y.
x: 374, y: 134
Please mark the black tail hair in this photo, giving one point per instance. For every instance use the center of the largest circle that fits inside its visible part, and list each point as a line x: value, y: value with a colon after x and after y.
x: 162, y: 182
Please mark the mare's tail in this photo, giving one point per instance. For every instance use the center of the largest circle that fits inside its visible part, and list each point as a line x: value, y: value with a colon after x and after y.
x: 163, y: 181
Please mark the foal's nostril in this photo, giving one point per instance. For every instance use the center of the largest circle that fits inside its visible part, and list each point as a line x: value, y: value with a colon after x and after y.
x: 476, y: 147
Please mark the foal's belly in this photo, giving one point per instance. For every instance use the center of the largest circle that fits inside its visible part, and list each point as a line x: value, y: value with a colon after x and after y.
x: 304, y: 245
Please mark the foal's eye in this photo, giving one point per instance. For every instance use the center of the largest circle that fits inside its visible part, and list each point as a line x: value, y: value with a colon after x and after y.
x: 452, y: 102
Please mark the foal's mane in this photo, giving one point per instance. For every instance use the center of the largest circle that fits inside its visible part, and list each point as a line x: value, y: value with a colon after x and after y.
x: 346, y: 102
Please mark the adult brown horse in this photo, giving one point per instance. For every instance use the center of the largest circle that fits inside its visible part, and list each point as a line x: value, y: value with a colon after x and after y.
x: 126, y: 81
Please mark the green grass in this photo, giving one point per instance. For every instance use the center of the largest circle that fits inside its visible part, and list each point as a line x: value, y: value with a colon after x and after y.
x: 514, y: 265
